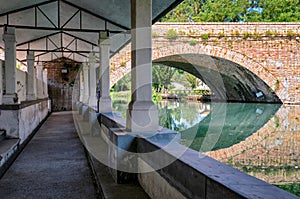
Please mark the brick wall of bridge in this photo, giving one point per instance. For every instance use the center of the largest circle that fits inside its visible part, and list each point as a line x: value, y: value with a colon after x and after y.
x: 269, y: 50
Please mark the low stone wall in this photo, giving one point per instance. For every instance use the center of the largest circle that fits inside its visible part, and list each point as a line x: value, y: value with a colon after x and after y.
x: 167, y: 169
x: 20, y: 120
x: 192, y: 175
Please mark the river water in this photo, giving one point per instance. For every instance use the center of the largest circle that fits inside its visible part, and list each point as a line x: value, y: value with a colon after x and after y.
x: 262, y: 140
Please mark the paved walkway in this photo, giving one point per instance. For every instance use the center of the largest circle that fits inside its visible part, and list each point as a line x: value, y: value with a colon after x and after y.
x: 52, y: 165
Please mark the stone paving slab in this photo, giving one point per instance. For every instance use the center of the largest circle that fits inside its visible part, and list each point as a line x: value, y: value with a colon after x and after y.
x: 52, y: 165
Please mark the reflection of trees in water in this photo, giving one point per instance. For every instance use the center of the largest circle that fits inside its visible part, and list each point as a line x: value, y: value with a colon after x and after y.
x: 197, y: 123
x: 179, y: 116
x: 241, y: 121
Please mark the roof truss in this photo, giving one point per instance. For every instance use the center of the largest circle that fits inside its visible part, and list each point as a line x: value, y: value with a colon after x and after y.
x: 67, y: 16
x: 70, y: 28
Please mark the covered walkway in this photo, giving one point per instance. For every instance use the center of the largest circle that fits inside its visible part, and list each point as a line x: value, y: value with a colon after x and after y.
x: 55, y: 165
x: 52, y: 165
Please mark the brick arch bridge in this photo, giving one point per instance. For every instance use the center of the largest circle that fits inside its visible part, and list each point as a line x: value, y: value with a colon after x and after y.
x: 267, y: 51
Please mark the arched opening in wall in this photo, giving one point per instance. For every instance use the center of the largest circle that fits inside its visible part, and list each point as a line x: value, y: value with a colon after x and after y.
x: 61, y: 77
x: 174, y: 83
x: 167, y: 81
x: 169, y: 85
x: 227, y: 80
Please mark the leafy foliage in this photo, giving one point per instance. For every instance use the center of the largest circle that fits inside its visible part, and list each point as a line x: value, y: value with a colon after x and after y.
x: 162, y: 76
x: 193, y: 81
x: 124, y: 84
x: 172, y: 34
x: 235, y: 11
x: 277, y: 11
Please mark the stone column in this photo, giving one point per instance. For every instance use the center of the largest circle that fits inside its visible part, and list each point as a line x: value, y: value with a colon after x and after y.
x: 142, y: 114
x: 31, y: 80
x: 104, y: 100
x: 39, y: 84
x: 86, y: 83
x: 81, y: 86
x: 9, y: 38
x: 93, y: 82
x: 45, y: 82
x: 1, y: 83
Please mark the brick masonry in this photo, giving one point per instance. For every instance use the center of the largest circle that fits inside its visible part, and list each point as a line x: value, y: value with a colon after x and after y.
x: 60, y: 85
x: 269, y: 50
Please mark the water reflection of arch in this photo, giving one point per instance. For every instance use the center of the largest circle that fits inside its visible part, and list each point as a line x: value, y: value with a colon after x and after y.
x: 270, y: 154
x: 240, y: 122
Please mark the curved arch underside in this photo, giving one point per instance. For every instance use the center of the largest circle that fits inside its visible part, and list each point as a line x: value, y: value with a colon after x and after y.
x: 228, y: 81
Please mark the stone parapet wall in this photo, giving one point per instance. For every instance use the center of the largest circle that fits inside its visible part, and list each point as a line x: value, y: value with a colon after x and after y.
x: 229, y: 29
x: 19, y: 121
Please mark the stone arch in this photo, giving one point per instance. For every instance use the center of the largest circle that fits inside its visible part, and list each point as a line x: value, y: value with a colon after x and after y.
x: 216, y: 52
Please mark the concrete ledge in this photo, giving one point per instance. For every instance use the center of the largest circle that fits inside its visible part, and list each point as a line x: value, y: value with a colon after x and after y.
x: 176, y: 171
x: 20, y: 120
x: 20, y: 123
x: 109, y: 188
x: 2, y: 135
x: 112, y: 120
x: 23, y: 104
x: 122, y: 146
x: 173, y: 171
x: 122, y: 158
x: 85, y: 112
x: 97, y: 150
x: 14, y: 147
x: 198, y: 176
x: 7, y: 148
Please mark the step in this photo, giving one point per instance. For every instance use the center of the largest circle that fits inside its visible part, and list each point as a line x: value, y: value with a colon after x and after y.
x: 8, y: 147
x: 2, y: 135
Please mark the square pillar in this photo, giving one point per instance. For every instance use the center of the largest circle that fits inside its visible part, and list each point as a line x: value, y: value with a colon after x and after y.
x: 1, y: 83
x: 9, y: 38
x: 104, y: 104
x: 39, y: 84
x: 93, y: 82
x: 45, y: 82
x: 31, y: 80
x: 81, y: 86
x: 86, y: 83
x: 142, y: 114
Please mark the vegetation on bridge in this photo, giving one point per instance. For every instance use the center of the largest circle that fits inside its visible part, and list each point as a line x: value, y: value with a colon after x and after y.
x: 235, y: 11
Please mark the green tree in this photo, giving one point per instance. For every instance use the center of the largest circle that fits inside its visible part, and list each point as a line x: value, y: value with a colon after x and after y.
x: 235, y: 10
x: 162, y: 76
x: 223, y: 10
x: 124, y: 84
x: 192, y: 80
x: 209, y: 11
x: 277, y: 11
x: 184, y: 11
